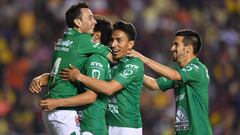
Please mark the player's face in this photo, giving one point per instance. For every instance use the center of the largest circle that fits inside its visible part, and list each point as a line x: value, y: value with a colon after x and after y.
x: 178, y: 49
x: 96, y: 37
x: 120, y: 44
x: 87, y: 21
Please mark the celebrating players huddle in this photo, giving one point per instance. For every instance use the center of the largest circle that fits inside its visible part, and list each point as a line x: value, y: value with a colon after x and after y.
x: 95, y: 91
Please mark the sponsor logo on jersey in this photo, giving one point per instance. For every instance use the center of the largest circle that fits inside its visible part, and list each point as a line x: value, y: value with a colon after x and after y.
x: 112, y: 104
x: 96, y: 65
x: 131, y: 66
x: 63, y: 45
x: 182, y: 122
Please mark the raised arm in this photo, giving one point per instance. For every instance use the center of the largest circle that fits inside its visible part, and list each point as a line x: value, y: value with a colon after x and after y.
x: 158, y: 68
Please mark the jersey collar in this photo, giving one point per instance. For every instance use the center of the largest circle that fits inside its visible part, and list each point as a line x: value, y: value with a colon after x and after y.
x: 194, y: 60
x: 123, y: 59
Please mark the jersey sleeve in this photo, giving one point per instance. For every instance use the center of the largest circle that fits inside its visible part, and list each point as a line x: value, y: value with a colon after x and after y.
x: 89, y: 47
x: 191, y: 72
x: 164, y: 84
x: 96, y: 67
x: 130, y: 72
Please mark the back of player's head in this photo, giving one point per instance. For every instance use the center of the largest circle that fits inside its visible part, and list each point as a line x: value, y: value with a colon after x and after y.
x: 191, y: 37
x: 105, y: 27
x: 128, y: 28
x: 73, y: 12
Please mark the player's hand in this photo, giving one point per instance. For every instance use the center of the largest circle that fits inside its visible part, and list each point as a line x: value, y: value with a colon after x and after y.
x: 70, y: 73
x: 49, y: 104
x: 35, y: 85
x: 133, y: 53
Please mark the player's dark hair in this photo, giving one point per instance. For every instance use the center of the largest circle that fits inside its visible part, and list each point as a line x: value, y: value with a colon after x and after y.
x: 128, y: 28
x: 73, y: 12
x: 191, y: 37
x: 105, y: 27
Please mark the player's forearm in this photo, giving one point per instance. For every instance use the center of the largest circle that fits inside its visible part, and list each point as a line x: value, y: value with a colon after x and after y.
x: 96, y: 85
x: 110, y: 58
x: 150, y: 83
x: 44, y: 78
x: 79, y: 100
x: 161, y: 69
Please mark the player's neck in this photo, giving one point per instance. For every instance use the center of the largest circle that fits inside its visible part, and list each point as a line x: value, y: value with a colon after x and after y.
x: 183, y: 62
x: 78, y: 30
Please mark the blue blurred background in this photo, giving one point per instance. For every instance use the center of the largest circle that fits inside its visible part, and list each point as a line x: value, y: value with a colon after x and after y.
x: 29, y: 28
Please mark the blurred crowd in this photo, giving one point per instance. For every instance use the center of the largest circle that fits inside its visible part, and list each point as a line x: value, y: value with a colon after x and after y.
x: 29, y: 28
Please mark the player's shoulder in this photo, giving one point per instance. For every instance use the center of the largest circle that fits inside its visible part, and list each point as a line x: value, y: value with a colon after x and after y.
x: 97, y: 58
x: 134, y: 63
x: 134, y: 60
x: 196, y: 66
x: 85, y: 35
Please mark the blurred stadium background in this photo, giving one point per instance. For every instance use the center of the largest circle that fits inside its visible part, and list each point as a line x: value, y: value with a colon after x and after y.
x: 28, y: 29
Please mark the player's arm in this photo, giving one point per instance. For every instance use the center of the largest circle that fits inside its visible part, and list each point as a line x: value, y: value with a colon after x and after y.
x: 85, y: 98
x: 38, y: 82
x: 160, y: 69
x: 110, y: 58
x: 150, y: 83
x: 100, y: 86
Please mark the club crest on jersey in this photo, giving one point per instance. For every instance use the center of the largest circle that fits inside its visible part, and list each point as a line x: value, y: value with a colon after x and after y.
x: 95, y: 74
x: 127, y: 72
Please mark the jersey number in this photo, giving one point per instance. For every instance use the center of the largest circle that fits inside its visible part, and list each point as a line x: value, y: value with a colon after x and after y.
x: 55, y: 69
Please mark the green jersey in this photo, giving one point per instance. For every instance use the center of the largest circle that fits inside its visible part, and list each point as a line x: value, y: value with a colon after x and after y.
x: 93, y: 115
x: 74, y: 48
x: 124, y: 105
x: 191, y: 95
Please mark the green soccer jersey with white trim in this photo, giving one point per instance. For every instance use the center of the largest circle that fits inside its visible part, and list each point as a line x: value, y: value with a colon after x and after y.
x: 124, y: 105
x: 74, y: 48
x: 93, y: 115
x: 191, y: 95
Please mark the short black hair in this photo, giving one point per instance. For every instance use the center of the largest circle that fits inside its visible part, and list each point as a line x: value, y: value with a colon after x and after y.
x: 105, y: 27
x: 73, y: 12
x: 128, y: 28
x: 191, y: 37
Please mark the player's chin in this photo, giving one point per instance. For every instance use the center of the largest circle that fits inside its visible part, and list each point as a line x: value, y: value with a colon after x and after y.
x: 174, y: 59
x: 91, y: 31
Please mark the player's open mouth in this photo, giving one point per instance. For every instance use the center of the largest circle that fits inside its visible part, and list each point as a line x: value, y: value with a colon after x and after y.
x: 115, y: 52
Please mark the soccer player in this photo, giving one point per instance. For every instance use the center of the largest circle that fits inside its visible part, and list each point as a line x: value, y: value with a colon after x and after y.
x: 75, y: 47
x: 190, y: 82
x: 123, y: 114
x: 92, y: 117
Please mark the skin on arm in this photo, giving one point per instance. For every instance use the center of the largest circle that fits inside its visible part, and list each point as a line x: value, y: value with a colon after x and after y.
x: 160, y: 69
x: 107, y: 88
x: 110, y: 58
x: 38, y: 82
x: 150, y: 83
x: 85, y: 98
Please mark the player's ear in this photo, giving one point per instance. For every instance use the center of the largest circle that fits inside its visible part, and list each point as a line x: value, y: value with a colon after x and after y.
x: 97, y: 35
x: 77, y: 22
x: 130, y: 44
x: 189, y: 49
